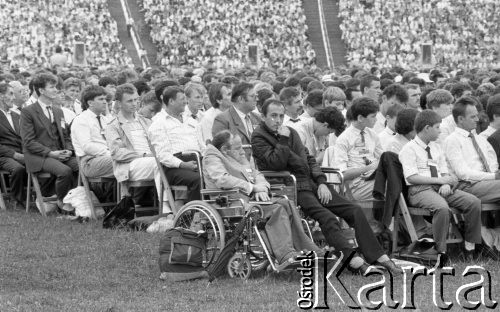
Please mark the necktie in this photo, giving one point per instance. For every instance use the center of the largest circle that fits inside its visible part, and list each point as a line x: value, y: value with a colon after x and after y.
x: 365, y: 159
x: 100, y: 126
x: 479, y: 152
x: 249, y: 125
x: 362, y: 133
x: 49, y: 110
x: 434, y: 172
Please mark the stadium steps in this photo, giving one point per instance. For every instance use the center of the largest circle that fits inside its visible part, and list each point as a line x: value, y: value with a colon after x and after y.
x: 331, y: 13
x: 143, y: 31
x: 116, y: 11
x: 314, y: 31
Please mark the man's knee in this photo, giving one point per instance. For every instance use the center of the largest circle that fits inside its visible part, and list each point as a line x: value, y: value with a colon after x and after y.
x: 65, y: 171
x: 18, y: 170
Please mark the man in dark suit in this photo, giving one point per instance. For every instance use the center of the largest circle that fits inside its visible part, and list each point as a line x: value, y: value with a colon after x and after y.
x: 46, y: 142
x: 239, y: 118
x: 277, y: 147
x: 11, y: 156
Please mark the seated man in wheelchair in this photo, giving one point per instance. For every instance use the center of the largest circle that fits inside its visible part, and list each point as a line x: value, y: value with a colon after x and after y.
x: 277, y: 147
x: 225, y: 166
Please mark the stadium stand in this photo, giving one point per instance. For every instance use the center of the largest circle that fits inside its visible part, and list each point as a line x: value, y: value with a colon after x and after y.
x: 202, y: 32
x: 389, y: 33
x: 31, y: 31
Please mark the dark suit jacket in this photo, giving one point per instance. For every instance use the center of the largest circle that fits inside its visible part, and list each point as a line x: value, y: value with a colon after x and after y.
x: 494, y: 140
x: 37, y: 137
x: 229, y: 120
x: 281, y: 153
x: 10, y: 141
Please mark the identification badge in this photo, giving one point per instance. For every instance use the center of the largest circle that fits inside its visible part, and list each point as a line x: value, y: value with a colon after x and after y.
x: 63, y: 123
x: 363, y: 151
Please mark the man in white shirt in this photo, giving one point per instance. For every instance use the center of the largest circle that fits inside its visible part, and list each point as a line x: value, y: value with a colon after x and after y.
x: 170, y: 136
x: 220, y: 98
x: 194, y: 109
x: 358, y: 149
x: 393, y: 94
x: 72, y: 90
x: 292, y: 101
x: 414, y: 94
x: 370, y: 87
x: 88, y: 134
x: 314, y: 132
x: 441, y: 102
x: 493, y: 112
x: 470, y: 157
x: 432, y: 188
x: 390, y: 129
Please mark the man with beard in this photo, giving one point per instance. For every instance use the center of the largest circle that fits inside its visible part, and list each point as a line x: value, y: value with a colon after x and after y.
x: 225, y: 166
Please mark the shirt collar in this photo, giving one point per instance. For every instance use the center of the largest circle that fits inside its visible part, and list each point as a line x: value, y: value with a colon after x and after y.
x: 91, y: 113
x: 242, y: 116
x: 43, y: 105
x: 389, y: 131
x: 420, y: 142
x: 356, y: 130
x: 462, y: 132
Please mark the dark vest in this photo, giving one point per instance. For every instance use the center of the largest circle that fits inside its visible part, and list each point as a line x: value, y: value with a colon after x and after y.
x: 56, y: 145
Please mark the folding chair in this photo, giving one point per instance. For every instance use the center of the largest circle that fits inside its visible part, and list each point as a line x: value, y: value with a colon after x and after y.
x: 144, y: 183
x: 4, y: 189
x: 86, y: 184
x: 40, y: 200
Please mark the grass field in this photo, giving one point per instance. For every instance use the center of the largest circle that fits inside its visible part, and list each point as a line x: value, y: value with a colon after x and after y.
x: 50, y: 264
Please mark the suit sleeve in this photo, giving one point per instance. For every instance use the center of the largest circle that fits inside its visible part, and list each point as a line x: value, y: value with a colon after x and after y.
x: 28, y: 135
x: 220, y: 124
x: 6, y: 151
x: 217, y: 172
x: 118, y: 149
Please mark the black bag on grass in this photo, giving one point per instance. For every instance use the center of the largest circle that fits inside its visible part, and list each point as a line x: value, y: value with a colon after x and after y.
x: 181, y: 254
x: 120, y: 215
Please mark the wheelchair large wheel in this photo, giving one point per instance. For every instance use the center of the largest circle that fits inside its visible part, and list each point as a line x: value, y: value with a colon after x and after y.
x: 198, y: 215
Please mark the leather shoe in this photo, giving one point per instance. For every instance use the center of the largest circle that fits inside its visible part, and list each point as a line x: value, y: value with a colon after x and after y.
x: 442, y: 260
x: 361, y: 270
x: 390, y: 266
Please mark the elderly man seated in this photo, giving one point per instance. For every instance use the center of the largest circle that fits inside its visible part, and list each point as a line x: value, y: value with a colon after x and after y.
x: 225, y: 166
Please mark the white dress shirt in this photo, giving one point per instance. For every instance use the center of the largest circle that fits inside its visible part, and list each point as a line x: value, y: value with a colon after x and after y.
x: 138, y: 136
x: 414, y: 159
x: 188, y: 117
x: 447, y: 127
x: 87, y: 136
x: 243, y: 117
x: 464, y: 160
x: 487, y: 132
x: 306, y: 132
x: 287, y: 121
x: 380, y: 123
x: 15, y: 109
x: 396, y: 143
x: 8, y: 115
x: 207, y: 122
x: 68, y: 114
x: 170, y: 136
x: 385, y: 136
x: 30, y: 101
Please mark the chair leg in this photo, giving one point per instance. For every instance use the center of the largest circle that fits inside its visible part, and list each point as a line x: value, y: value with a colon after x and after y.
x: 39, y: 197
x: 86, y: 186
x: 28, y: 193
x: 2, y: 203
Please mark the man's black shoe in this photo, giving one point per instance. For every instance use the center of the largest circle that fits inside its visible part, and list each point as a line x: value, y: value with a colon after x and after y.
x: 442, y: 260
x: 390, y: 266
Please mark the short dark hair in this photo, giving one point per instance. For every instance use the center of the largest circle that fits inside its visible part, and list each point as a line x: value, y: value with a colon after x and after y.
x: 493, y: 107
x: 292, y: 81
x: 125, y: 76
x: 277, y: 86
x: 393, y: 110
x: 230, y: 80
x: 437, y: 97
x: 304, y: 82
x: 241, y: 89
x: 287, y: 94
x: 458, y: 89
x: 460, y: 106
x: 221, y: 139
x: 366, y: 82
x: 314, y: 99
x: 315, y: 85
x: 162, y: 85
x: 142, y: 86
x: 215, y: 93
x: 397, y: 91
x: 149, y: 98
x: 90, y: 93
x: 41, y: 80
x: 126, y: 88
x: 417, y: 81
x: 269, y: 102
x: 104, y: 81
x: 405, y: 121
x: 363, y: 106
x: 425, y: 118
x: 171, y: 93
x: 4, y: 87
x: 333, y: 117
x: 262, y: 96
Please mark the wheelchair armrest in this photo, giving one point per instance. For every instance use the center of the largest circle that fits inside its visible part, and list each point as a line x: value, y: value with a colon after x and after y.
x: 219, y: 191
x: 276, y: 174
x: 189, y: 153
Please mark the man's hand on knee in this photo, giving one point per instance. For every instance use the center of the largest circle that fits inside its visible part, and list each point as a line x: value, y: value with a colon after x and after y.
x: 324, y: 194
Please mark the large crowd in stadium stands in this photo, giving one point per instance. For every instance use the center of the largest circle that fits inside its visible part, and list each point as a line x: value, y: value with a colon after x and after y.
x: 31, y: 29
x: 200, y: 32
x: 388, y: 33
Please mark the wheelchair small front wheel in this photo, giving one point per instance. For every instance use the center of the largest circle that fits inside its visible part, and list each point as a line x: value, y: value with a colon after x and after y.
x: 239, y: 266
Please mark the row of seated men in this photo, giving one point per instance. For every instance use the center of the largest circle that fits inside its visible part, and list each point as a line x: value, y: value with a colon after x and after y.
x: 124, y: 147
x: 122, y: 143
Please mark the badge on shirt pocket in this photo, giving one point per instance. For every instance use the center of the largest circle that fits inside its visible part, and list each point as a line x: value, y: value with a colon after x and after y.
x: 63, y: 123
